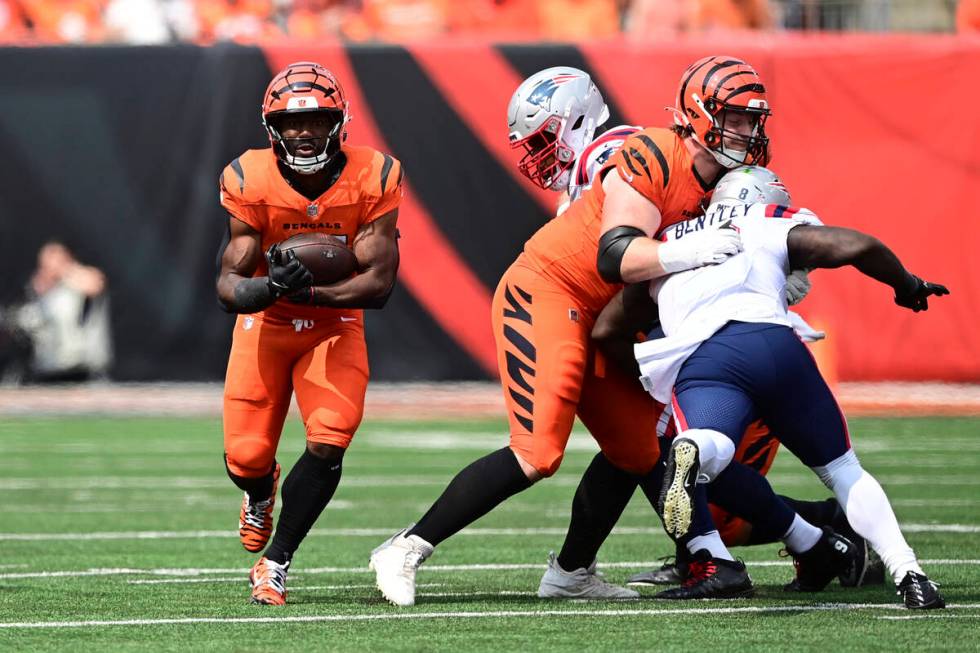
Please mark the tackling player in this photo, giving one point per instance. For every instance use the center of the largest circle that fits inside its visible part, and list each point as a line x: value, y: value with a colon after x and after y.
x: 543, y: 312
x: 552, y: 121
x: 730, y: 357
x: 291, y: 335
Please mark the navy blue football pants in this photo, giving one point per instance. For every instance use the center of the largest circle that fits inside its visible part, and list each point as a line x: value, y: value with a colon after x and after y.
x: 747, y: 371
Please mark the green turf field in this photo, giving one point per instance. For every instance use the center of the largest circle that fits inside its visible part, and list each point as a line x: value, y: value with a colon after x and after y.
x: 119, y: 534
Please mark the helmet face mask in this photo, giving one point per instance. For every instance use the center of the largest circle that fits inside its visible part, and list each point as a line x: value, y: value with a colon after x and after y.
x: 306, y: 140
x: 731, y: 146
x: 305, y: 114
x: 718, y: 91
x: 546, y: 157
x: 552, y: 116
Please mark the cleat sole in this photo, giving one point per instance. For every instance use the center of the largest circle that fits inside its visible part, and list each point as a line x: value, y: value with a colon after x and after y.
x: 677, y: 505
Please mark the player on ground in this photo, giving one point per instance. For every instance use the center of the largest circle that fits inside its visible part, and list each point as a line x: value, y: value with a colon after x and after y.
x: 730, y: 357
x: 291, y: 335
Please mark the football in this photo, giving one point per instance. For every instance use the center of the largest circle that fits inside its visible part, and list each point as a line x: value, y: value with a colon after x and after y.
x: 325, y: 256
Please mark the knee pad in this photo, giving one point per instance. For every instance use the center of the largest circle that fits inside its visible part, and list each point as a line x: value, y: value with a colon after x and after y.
x: 716, y: 450
x: 250, y: 458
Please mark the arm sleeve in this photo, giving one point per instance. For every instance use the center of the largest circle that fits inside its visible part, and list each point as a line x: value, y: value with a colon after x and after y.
x: 391, y: 189
x: 642, y: 163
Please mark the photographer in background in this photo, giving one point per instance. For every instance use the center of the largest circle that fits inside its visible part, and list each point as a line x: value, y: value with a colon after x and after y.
x: 65, y: 319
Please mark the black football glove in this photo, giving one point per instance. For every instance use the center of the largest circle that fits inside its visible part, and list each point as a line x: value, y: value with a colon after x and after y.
x: 301, y: 296
x: 286, y: 273
x: 916, y: 292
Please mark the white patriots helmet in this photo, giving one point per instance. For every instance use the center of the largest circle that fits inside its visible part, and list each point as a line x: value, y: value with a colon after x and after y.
x: 553, y: 115
x: 751, y: 185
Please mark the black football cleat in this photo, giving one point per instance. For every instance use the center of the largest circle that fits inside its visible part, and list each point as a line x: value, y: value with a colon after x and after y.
x: 832, y: 555
x: 920, y: 593
x: 676, y: 502
x: 672, y: 572
x: 712, y: 578
x: 868, y: 569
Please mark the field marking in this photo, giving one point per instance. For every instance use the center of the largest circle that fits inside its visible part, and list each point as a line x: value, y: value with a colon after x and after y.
x: 27, y: 483
x: 394, y: 616
x: 384, y: 532
x: 931, y: 616
x: 353, y: 587
x: 185, y: 574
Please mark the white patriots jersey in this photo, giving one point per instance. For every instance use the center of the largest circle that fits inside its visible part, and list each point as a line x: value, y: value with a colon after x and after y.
x: 747, y: 287
x: 593, y: 157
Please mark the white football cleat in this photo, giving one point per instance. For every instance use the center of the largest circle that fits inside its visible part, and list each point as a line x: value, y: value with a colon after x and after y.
x: 579, y: 584
x: 394, y: 564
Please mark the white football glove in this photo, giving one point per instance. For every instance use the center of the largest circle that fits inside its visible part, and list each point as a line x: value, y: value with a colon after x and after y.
x: 707, y: 247
x: 797, y: 287
x: 806, y: 332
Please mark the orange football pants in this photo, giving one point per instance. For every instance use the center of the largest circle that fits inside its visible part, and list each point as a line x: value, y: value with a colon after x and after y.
x: 549, y: 372
x: 324, y: 361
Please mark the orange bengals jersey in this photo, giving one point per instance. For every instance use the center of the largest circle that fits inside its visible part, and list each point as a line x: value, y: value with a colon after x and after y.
x: 255, y: 192
x: 657, y: 164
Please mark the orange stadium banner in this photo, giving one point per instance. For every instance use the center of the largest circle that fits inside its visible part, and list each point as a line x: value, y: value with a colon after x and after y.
x: 875, y: 132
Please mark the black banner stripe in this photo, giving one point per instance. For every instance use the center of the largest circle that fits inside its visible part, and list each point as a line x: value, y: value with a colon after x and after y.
x: 529, y: 59
x: 462, y: 185
x: 409, y: 354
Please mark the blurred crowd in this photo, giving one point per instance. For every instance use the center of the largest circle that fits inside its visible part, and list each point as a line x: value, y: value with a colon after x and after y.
x: 250, y: 21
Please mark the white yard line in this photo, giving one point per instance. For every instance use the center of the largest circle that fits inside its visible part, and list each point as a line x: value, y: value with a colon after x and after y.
x: 937, y: 615
x: 189, y: 572
x: 384, y: 532
x: 394, y: 616
x: 27, y: 484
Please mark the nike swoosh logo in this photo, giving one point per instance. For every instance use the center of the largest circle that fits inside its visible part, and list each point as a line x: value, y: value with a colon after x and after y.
x: 348, y: 319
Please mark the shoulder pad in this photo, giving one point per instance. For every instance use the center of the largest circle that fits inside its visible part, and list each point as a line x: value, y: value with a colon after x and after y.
x: 245, y: 178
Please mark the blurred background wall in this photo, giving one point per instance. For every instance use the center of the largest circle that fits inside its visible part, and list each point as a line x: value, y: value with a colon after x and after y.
x: 114, y: 149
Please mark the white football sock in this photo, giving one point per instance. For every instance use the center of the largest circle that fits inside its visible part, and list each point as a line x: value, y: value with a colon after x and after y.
x: 869, y: 512
x: 801, y: 536
x: 715, y: 451
x: 712, y: 542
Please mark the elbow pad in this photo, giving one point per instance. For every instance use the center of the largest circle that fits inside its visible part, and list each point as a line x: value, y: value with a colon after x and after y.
x: 612, y: 247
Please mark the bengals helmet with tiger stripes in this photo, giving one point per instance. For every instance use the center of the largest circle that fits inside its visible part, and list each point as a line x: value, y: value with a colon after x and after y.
x: 710, y: 90
x: 305, y: 87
